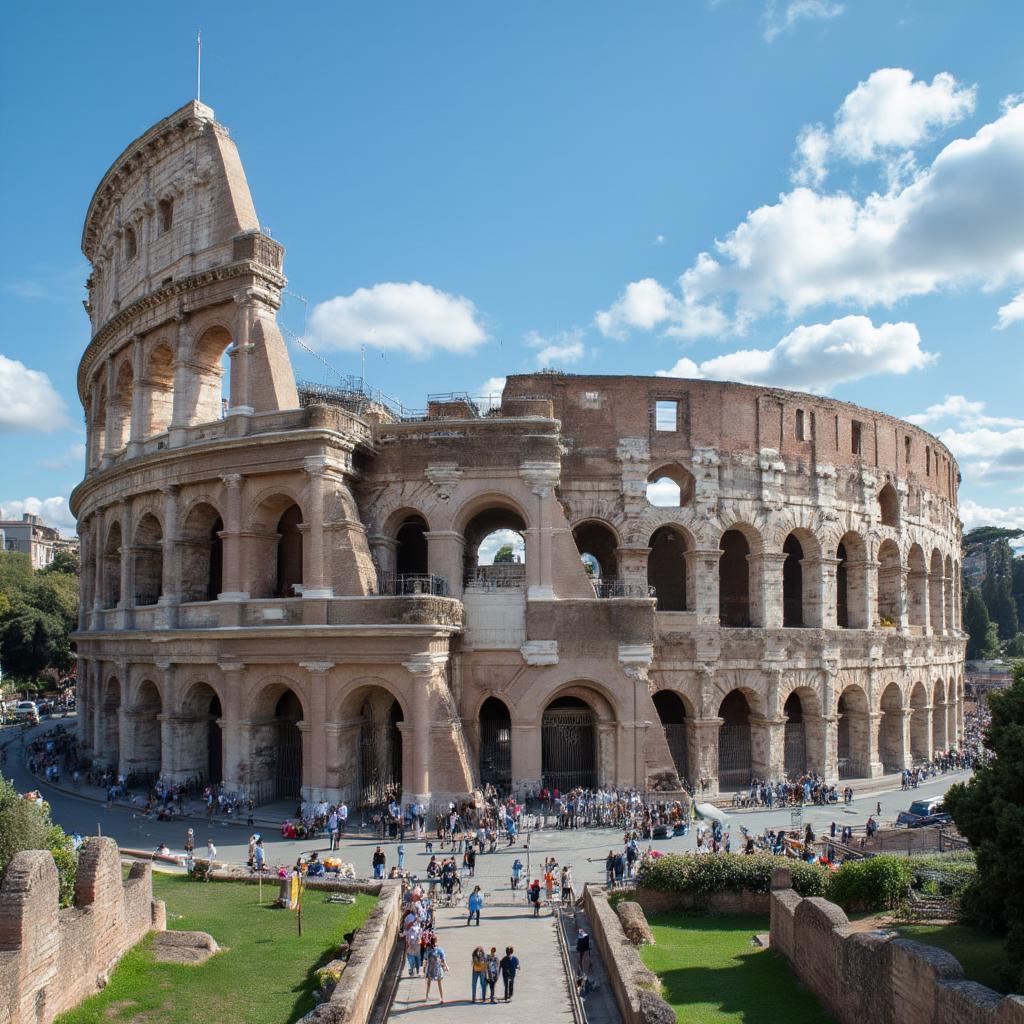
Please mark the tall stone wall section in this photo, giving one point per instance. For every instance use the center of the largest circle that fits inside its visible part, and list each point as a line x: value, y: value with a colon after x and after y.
x: 875, y: 976
x: 52, y: 959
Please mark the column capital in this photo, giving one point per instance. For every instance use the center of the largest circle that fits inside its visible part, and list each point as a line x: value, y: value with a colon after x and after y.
x: 232, y: 479
x: 424, y: 664
x: 317, y: 667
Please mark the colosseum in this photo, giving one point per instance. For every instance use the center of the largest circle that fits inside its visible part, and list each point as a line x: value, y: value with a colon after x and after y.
x: 299, y: 589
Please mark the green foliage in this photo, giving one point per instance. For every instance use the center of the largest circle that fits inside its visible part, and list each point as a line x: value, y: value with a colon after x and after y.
x: 944, y: 874
x: 25, y: 826
x: 997, y: 590
x: 64, y: 562
x: 1014, y: 648
x: 878, y: 883
x: 38, y: 610
x: 980, y: 637
x: 504, y: 554
x: 702, y: 875
x: 989, y: 812
x: 983, y: 535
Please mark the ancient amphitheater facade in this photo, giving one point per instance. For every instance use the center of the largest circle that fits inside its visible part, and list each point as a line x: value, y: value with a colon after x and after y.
x: 282, y: 587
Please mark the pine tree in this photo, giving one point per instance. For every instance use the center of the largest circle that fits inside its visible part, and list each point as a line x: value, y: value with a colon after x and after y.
x: 976, y: 622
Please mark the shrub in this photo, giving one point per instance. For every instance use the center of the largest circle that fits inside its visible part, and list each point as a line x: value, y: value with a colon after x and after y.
x: 701, y: 875
x: 944, y: 874
x: 880, y: 883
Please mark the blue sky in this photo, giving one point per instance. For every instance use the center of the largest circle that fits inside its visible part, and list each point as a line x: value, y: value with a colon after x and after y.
x: 480, y: 189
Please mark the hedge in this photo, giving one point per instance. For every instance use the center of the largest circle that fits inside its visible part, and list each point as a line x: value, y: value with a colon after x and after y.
x: 879, y: 883
x: 704, y: 875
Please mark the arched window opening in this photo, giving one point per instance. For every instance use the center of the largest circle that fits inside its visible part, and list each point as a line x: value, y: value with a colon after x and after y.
x: 200, y: 733
x: 936, y: 601
x: 495, y: 745
x: 842, y: 588
x: 495, y: 551
x: 917, y: 584
x: 672, y: 715
x: 670, y: 487
x: 792, y: 583
x: 112, y: 552
x: 121, y: 408
x: 146, y: 750
x: 98, y: 436
x: 380, y: 749
x: 569, y: 745
x: 289, y: 553
x: 667, y: 569
x: 890, y: 597
x: 890, y: 730
x: 598, y: 550
x: 889, y: 506
x: 920, y: 726
x: 287, y: 773
x: 149, y: 560
x: 159, y: 389
x: 852, y: 729
x: 202, y: 556
x: 795, y: 738
x: 734, y: 580
x: 211, y: 376
x: 411, y: 554
x: 735, y: 757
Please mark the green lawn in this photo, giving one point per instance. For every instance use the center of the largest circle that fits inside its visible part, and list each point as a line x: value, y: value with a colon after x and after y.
x: 980, y: 952
x: 264, y: 974
x: 711, y: 973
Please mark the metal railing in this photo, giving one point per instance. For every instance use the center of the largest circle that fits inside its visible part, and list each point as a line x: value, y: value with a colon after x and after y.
x: 620, y: 588
x: 391, y: 584
x: 511, y: 576
x: 355, y: 394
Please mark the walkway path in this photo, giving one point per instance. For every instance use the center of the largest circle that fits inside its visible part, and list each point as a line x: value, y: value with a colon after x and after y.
x: 541, y: 994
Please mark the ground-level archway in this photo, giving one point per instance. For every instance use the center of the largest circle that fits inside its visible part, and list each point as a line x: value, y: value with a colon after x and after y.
x: 380, y: 749
x: 852, y: 733
x: 569, y: 755
x: 672, y: 714
x: 495, y: 744
x: 920, y: 724
x: 200, y: 739
x: 735, y: 753
x: 890, y: 729
x: 110, y: 725
x: 795, y: 737
x: 287, y: 774
x: 143, y: 758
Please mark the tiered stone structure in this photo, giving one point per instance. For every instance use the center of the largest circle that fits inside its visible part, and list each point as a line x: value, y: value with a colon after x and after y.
x: 52, y: 959
x: 876, y: 976
x: 283, y: 592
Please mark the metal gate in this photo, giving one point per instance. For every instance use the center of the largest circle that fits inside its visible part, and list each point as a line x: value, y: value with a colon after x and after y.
x: 288, y: 771
x: 568, y: 748
x: 795, y: 749
x: 496, y: 753
x: 378, y: 778
x: 675, y: 734
x: 734, y: 763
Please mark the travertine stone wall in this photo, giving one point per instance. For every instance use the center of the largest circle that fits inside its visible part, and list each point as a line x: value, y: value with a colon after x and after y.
x: 52, y: 959
x: 875, y: 976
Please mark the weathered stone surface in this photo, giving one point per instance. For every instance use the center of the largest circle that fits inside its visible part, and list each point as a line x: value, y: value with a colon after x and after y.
x: 654, y: 1009
x: 634, y: 923
x: 184, y: 947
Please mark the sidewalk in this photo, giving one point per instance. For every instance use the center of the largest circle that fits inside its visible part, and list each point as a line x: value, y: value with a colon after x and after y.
x: 541, y: 993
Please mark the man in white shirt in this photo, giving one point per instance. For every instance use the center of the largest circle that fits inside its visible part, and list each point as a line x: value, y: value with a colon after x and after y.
x: 342, y: 816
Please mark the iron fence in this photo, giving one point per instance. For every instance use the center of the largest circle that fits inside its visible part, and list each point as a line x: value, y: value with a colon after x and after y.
x: 391, y: 584
x: 620, y: 588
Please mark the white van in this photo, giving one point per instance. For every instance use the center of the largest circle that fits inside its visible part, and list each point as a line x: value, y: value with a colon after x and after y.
x: 26, y: 711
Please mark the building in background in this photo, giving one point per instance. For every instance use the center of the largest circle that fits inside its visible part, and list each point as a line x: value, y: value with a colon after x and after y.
x: 32, y: 537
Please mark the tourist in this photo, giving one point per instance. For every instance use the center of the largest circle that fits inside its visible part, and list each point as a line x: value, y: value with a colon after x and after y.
x: 259, y: 855
x: 492, y: 970
x: 478, y: 966
x: 190, y: 841
x: 583, y: 948
x: 211, y: 853
x: 533, y: 895
x: 401, y: 856
x: 517, y: 872
x: 609, y: 865
x: 549, y: 883
x: 566, y: 885
x: 476, y: 904
x: 379, y: 860
x: 413, y: 932
x: 509, y: 967
x: 252, y: 851
x: 342, y: 816
x: 436, y: 967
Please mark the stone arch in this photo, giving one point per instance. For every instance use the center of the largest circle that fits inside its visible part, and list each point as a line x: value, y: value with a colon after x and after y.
x: 111, y: 563
x: 891, y: 745
x: 852, y: 740
x: 920, y: 724
x: 109, y: 731
x: 159, y: 389
x: 598, y: 544
x: 204, y: 398
x: 675, y: 721
x: 495, y: 755
x: 199, y: 732
x: 890, y: 583
x: 121, y: 406
x: 274, y: 546
x: 148, y: 560
x: 801, y: 578
x: 670, y: 486
x: 496, y: 521
x: 411, y: 552
x: 851, y: 582
x: 889, y: 506
x: 201, y: 553
x: 936, y: 600
x: 570, y: 754
x: 735, y: 746
x: 145, y: 750
x: 917, y: 586
x: 277, y: 715
x: 736, y: 581
x: 669, y: 571
x: 948, y: 594
x: 939, y: 741
x: 795, y: 738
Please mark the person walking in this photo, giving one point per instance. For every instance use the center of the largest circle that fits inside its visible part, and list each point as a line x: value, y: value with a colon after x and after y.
x: 476, y: 904
x: 478, y: 965
x: 401, y: 856
x: 190, y: 842
x: 436, y: 967
x: 378, y: 863
x: 509, y: 967
x: 211, y: 854
x: 582, y: 948
x: 517, y: 872
x: 259, y: 855
x: 533, y: 895
x: 413, y: 934
x: 491, y: 960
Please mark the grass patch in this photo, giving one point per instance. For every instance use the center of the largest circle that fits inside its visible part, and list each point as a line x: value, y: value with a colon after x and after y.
x: 981, y: 953
x: 711, y: 973
x: 265, y: 973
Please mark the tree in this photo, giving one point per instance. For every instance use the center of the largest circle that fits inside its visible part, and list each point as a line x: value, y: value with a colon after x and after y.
x: 977, y: 623
x: 504, y: 554
x: 64, y: 562
x: 997, y: 590
x: 989, y: 812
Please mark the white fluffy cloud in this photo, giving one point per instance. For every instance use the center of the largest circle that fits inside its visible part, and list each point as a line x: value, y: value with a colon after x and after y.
x: 1012, y: 312
x: 816, y: 357
x: 74, y: 455
x: 960, y: 222
x: 964, y: 411
x: 884, y: 118
x: 560, y: 349
x: 781, y: 17
x: 404, y: 317
x: 28, y: 401
x: 54, y: 511
x: 972, y: 514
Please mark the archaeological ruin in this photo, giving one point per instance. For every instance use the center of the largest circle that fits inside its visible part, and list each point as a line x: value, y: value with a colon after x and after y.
x: 293, y: 589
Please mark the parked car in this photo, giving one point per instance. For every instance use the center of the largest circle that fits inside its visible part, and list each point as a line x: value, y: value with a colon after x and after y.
x: 914, y: 816
x: 26, y: 711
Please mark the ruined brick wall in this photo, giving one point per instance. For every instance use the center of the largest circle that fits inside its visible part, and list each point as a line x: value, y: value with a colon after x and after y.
x: 874, y: 976
x: 52, y: 959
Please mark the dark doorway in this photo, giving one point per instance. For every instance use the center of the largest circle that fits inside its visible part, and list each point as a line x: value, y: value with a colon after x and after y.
x: 792, y: 583
x: 666, y: 569
x: 215, y: 575
x: 411, y: 556
x: 569, y: 745
x: 734, y: 748
x: 734, y: 580
x: 795, y: 742
x: 672, y: 713
x: 495, y: 745
x: 289, y: 552
x: 288, y: 769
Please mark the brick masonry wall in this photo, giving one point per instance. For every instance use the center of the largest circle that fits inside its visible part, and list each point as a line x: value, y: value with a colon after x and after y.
x: 51, y: 959
x: 875, y: 976
x: 654, y: 902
